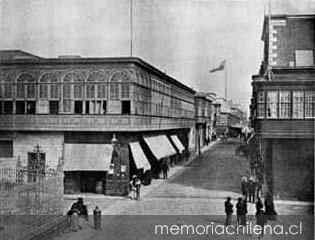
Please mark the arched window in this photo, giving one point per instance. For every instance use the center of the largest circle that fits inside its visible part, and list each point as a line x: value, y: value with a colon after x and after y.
x: 94, y: 86
x: 120, y: 84
x: 25, y: 86
x: 96, y: 93
x: 43, y: 86
x: 72, y: 90
x: 25, y: 94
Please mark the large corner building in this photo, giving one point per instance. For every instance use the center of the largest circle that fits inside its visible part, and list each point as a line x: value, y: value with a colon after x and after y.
x: 283, y: 107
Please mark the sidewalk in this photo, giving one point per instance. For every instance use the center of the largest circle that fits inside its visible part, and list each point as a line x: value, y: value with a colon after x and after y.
x: 113, y: 205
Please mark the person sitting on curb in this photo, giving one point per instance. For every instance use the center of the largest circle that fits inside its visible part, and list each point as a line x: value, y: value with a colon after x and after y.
x: 77, y: 211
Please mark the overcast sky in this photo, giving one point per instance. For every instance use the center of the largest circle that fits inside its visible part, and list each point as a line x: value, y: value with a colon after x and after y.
x: 185, y: 38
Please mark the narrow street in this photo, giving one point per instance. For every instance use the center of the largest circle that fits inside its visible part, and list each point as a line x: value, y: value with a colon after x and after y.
x: 194, y: 195
x: 201, y: 188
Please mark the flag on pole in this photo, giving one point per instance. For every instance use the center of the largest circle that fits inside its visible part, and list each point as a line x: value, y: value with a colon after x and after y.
x: 220, y: 68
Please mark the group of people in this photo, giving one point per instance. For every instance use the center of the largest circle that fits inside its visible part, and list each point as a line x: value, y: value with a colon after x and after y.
x: 262, y: 216
x: 251, y: 188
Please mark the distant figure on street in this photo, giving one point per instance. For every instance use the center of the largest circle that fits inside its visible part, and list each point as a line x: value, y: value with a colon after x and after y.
x: 258, y: 189
x: 138, y: 186
x: 251, y: 189
x: 165, y: 169
x: 244, y: 184
x: 133, y: 189
x: 259, y: 205
x: 228, y: 211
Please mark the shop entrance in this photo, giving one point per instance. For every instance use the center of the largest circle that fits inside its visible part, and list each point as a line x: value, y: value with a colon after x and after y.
x: 84, y: 182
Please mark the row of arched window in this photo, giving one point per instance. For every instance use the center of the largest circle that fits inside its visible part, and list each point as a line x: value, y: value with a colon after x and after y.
x: 72, y: 85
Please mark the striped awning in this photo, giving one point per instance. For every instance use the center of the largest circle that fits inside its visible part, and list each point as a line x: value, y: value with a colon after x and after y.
x: 160, y: 146
x: 87, y: 157
x: 178, y: 143
x: 139, y: 157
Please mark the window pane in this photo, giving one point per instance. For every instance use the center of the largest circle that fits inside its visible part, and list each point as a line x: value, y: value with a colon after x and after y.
x: 78, y: 91
x: 43, y: 91
x: 30, y: 91
x: 102, y: 91
x: 114, y: 91
x: 8, y: 91
x: 6, y: 149
x: 125, y: 90
x: 20, y: 93
x: 284, y: 104
x: 90, y: 91
x: 261, y: 110
x: 261, y: 97
x: 54, y: 91
x: 298, y: 104
x: 309, y: 104
x: 67, y: 105
x: 67, y: 91
x: 272, y: 102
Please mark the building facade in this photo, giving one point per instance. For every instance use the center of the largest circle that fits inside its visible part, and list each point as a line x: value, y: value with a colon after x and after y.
x: 283, y: 107
x: 205, y: 119
x: 94, y: 114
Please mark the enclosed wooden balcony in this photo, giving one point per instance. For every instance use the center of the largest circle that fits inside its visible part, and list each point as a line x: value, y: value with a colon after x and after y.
x: 91, y: 123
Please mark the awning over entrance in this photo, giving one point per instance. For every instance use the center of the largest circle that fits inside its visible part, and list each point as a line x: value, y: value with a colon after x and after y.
x: 178, y: 143
x: 160, y: 146
x: 139, y: 157
x: 87, y: 157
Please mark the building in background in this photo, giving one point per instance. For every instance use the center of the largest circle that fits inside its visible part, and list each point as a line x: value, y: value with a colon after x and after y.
x: 205, y: 119
x: 283, y: 107
x: 231, y: 115
x: 105, y: 118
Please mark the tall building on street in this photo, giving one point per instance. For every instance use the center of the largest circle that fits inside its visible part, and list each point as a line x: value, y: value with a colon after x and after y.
x: 104, y: 118
x: 283, y: 107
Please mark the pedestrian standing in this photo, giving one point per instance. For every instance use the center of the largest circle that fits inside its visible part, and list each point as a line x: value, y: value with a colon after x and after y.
x: 228, y: 211
x: 138, y: 186
x: 258, y: 189
x: 239, y: 211
x: 244, y: 184
x: 243, y: 217
x: 270, y: 211
x: 133, y: 189
x: 165, y: 169
x: 97, y: 214
x: 261, y: 221
x: 251, y: 189
x: 259, y: 205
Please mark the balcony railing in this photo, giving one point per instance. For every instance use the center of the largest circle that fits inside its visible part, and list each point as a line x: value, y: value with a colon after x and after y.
x: 90, y: 123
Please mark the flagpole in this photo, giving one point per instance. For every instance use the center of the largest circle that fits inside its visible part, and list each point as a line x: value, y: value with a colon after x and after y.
x: 225, y: 87
x: 131, y: 30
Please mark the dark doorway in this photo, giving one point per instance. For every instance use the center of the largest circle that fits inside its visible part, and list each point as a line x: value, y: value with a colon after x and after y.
x: 84, y: 181
x: 78, y: 107
x: 30, y: 107
x: 125, y: 107
x: 53, y: 107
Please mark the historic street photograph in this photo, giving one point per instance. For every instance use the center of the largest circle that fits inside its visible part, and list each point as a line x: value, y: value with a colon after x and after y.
x: 157, y: 119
